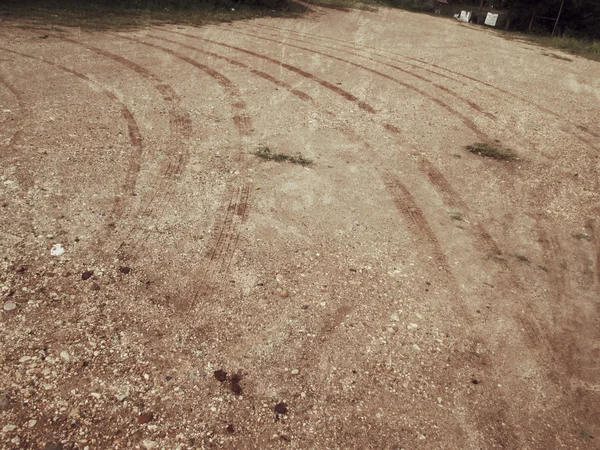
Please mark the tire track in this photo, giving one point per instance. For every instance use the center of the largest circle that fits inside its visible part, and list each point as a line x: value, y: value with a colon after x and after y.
x: 417, y: 223
x: 18, y: 134
x: 483, y: 239
x: 135, y: 136
x: 468, y: 122
x: 301, y: 95
x: 241, y: 121
x: 228, y: 230
x: 270, y: 27
x: 326, y: 84
x: 180, y: 126
x: 400, y: 69
x: 462, y: 75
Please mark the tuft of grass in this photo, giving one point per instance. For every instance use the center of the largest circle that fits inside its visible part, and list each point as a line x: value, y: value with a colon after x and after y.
x: 265, y: 153
x: 582, y: 236
x: 522, y: 258
x: 585, y: 48
x: 493, y: 151
x: 135, y: 14
x: 456, y: 215
x: 556, y: 56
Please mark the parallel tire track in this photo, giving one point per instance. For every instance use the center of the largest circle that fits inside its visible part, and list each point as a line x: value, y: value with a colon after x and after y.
x: 301, y: 95
x: 135, y: 136
x: 394, y: 67
x: 498, y: 89
x: 326, y: 84
x: 483, y: 240
x: 228, y: 230
x: 468, y: 122
x: 502, y: 91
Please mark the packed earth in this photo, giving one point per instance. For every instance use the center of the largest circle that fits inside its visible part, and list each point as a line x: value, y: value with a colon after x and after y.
x: 271, y: 234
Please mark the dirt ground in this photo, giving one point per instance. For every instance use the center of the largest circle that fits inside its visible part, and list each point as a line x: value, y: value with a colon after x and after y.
x: 398, y: 293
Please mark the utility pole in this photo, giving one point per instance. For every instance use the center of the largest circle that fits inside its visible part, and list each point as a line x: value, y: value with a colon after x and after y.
x: 558, y: 17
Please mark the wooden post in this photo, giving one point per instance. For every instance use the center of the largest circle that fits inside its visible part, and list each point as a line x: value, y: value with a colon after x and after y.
x: 479, y: 13
x: 532, y: 19
x: 558, y: 17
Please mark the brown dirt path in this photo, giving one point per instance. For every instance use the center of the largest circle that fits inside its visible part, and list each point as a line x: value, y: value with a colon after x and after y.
x: 398, y: 293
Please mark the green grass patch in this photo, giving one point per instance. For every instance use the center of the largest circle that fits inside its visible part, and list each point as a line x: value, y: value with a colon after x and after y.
x: 493, y: 151
x: 582, y: 237
x: 265, y: 153
x: 134, y: 14
x: 585, y: 48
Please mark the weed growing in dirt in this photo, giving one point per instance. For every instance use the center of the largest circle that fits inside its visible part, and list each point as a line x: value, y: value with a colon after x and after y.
x: 582, y: 236
x: 265, y: 153
x: 493, y: 151
x: 456, y: 215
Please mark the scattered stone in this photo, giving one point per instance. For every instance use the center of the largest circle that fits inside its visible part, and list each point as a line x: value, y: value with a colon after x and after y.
x: 8, y: 428
x: 148, y: 444
x: 412, y: 326
x: 295, y: 372
x: 4, y: 402
x: 57, y: 250
x: 230, y: 429
x: 145, y: 418
x: 9, y: 306
x: 281, y: 408
x: 95, y: 287
x: 75, y: 414
x: 24, y: 359
x: 475, y: 381
x: 53, y: 446
x: 87, y: 275
x: 125, y: 270
x: 31, y: 423
x: 220, y: 375
x: 416, y: 347
x: 137, y: 435
x: 395, y: 317
x: 284, y: 294
x: 64, y: 355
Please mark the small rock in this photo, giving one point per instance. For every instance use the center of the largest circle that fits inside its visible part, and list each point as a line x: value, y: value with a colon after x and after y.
x: 31, y: 423
x: 416, y: 347
x: 395, y: 317
x: 148, y: 444
x: 284, y: 294
x: 137, y: 435
x: 295, y: 372
x: 145, y: 418
x: 8, y: 428
x: 412, y: 326
x: 9, y: 306
x: 53, y: 446
x: 87, y: 275
x: 220, y: 375
x: 24, y: 359
x: 95, y: 287
x: 65, y: 356
x: 57, y: 250
x: 281, y: 408
x: 125, y: 270
x: 4, y: 402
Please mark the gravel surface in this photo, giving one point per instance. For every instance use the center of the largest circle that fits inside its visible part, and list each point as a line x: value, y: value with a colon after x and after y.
x: 163, y: 287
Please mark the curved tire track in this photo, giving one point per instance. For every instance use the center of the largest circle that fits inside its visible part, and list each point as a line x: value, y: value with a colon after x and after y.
x: 135, y: 136
x: 468, y: 122
x: 462, y: 75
